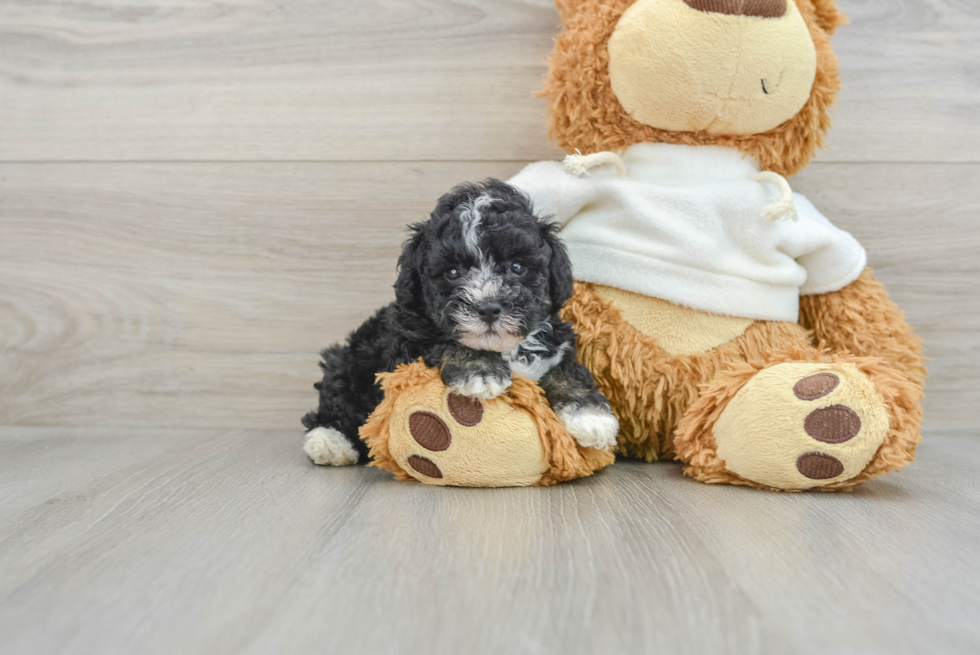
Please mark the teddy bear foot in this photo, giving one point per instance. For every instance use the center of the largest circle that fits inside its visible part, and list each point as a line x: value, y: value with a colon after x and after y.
x: 800, y: 425
x: 426, y: 431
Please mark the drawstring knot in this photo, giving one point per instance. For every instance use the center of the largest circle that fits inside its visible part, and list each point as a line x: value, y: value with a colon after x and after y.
x: 784, y: 207
x: 580, y: 164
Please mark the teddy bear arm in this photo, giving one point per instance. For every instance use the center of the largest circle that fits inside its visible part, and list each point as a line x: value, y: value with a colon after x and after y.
x: 863, y: 320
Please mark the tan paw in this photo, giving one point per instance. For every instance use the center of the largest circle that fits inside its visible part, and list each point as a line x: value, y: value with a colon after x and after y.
x: 425, y: 431
x: 802, y: 425
x: 446, y: 438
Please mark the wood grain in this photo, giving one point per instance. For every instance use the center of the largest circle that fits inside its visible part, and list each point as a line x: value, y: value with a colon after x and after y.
x: 198, y: 296
x: 230, y: 542
x: 408, y: 80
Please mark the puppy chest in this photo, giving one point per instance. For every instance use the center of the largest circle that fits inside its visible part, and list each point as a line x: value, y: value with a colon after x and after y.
x: 534, y: 364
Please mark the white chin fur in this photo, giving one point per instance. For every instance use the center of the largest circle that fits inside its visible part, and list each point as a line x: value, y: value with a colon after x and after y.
x: 483, y: 388
x: 499, y: 343
x: 591, y: 427
x: 328, y: 447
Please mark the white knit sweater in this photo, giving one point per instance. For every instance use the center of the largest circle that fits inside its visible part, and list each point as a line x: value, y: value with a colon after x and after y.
x: 686, y: 225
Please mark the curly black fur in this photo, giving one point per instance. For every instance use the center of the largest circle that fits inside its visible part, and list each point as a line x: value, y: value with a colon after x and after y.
x: 478, y: 292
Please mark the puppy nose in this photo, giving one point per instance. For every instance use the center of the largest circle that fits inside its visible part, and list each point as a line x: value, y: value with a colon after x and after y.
x: 763, y: 8
x: 489, y: 311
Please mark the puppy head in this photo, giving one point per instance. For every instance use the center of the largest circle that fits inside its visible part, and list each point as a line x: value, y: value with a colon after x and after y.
x: 484, y: 268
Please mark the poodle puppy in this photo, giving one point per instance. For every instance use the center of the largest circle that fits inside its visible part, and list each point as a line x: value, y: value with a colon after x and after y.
x: 478, y: 292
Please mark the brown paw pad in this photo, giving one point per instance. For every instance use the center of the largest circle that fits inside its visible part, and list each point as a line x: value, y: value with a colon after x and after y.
x: 467, y: 411
x: 834, y: 424
x: 431, y: 432
x: 424, y: 466
x: 819, y: 466
x: 816, y: 386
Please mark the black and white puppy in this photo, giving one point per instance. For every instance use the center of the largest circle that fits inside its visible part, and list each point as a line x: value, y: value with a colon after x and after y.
x: 478, y: 292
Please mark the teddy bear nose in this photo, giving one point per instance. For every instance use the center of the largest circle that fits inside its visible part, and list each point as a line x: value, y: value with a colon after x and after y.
x: 489, y: 311
x: 763, y: 8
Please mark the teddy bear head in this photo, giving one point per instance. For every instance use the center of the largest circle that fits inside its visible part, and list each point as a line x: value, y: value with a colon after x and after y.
x: 758, y: 75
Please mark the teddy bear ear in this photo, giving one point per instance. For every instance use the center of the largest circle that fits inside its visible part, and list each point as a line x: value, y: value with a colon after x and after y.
x: 828, y: 16
x: 567, y: 9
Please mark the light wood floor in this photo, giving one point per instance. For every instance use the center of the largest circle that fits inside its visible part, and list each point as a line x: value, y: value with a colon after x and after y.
x: 226, y: 541
x: 196, y: 197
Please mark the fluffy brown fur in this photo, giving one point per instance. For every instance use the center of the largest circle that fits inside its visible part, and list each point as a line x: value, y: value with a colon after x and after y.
x: 566, y: 459
x: 695, y: 443
x: 863, y: 320
x: 585, y: 114
x: 374, y: 432
x: 649, y: 389
x: 667, y: 405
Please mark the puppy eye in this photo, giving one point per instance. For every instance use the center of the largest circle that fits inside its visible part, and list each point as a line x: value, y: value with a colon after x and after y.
x: 517, y: 267
x: 454, y: 273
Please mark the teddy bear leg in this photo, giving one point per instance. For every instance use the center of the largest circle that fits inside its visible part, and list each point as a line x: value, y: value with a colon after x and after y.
x: 425, y: 431
x: 801, y: 421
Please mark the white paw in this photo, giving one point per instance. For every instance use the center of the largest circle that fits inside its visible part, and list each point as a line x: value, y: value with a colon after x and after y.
x: 591, y: 427
x: 482, y: 387
x: 327, y: 447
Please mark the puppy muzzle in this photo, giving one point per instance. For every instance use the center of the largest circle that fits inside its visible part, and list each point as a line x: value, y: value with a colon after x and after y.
x: 488, y: 325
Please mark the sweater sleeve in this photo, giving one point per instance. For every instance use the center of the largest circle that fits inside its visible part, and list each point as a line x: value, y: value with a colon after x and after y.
x: 832, y: 257
x: 556, y: 195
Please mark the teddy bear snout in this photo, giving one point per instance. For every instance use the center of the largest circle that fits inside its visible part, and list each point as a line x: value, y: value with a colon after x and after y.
x: 761, y: 8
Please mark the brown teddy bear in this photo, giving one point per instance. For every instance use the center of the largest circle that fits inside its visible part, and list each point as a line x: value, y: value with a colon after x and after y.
x: 729, y: 323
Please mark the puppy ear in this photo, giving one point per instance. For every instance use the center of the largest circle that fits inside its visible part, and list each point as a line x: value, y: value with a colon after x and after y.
x: 408, y: 285
x: 560, y: 271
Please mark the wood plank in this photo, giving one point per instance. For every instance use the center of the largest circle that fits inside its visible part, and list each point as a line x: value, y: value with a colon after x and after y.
x: 909, y: 82
x: 197, y: 295
x: 229, y: 541
x: 178, y: 295
x: 283, y: 80
x: 408, y: 80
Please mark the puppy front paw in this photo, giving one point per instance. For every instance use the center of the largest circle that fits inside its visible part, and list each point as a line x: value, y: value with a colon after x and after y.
x: 476, y: 374
x: 591, y: 427
x: 481, y: 385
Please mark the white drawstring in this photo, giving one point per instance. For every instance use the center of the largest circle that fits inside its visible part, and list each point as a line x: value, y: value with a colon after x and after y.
x: 580, y: 164
x: 784, y: 207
